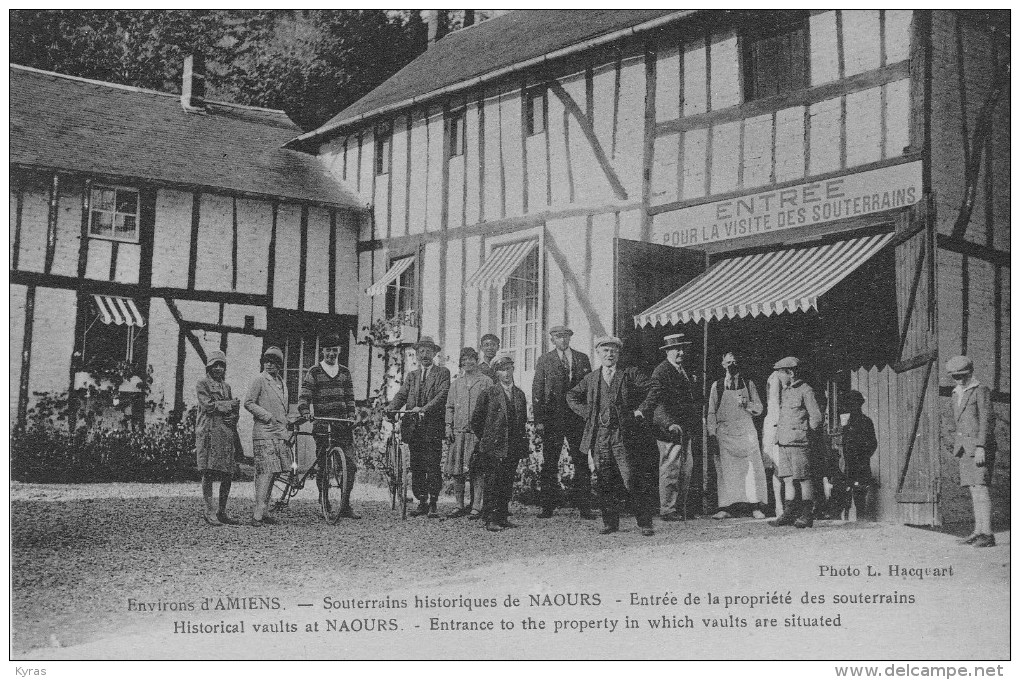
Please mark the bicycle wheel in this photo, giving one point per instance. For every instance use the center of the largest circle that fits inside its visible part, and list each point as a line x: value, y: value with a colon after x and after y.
x: 403, y: 481
x: 284, y: 488
x: 393, y: 462
x: 334, y: 498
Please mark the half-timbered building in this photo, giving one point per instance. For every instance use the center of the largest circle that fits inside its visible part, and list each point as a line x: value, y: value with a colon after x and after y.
x: 148, y: 228
x: 829, y: 184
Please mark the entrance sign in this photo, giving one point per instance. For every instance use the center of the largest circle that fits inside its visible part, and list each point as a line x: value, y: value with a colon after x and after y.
x: 802, y: 205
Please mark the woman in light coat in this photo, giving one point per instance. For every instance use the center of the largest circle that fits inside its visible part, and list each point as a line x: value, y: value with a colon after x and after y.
x: 216, y: 437
x: 463, y: 443
x: 769, y: 442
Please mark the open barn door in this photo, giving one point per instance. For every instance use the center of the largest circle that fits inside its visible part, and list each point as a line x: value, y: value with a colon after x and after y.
x: 917, y: 470
x: 646, y: 273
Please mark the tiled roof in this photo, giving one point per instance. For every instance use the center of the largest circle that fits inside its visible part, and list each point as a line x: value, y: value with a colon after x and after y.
x: 73, y: 124
x: 487, y: 47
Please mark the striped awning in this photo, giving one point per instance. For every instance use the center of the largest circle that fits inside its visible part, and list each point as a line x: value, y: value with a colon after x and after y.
x: 391, y: 275
x: 118, y: 310
x: 502, y: 262
x: 764, y: 284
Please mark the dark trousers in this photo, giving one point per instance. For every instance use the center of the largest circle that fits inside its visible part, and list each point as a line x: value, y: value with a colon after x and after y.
x: 618, y: 488
x: 499, y: 487
x: 322, y: 445
x: 552, y: 445
x: 426, y: 472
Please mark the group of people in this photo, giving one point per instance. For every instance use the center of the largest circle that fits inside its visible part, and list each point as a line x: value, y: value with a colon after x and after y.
x: 611, y: 421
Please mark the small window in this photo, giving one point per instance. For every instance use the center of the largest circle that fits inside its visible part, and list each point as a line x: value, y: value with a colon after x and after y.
x: 113, y: 213
x: 383, y: 139
x: 456, y: 128
x: 775, y: 55
x: 401, y: 299
x: 534, y: 111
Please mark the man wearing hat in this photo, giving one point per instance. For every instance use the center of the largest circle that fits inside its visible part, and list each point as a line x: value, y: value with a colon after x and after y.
x: 675, y: 399
x: 974, y: 445
x: 327, y: 389
x: 859, y: 445
x: 268, y: 403
x: 799, y: 419
x: 556, y: 373
x: 489, y: 344
x: 612, y: 402
x: 424, y: 391
x: 216, y: 439
x: 499, y: 421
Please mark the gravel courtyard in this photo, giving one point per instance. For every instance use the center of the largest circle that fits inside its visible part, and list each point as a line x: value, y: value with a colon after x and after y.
x: 79, y: 552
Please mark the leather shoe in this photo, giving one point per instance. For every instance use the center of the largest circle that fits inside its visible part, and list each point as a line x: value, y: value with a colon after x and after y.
x: 474, y: 515
x: 492, y: 526
x: 588, y: 514
x: 269, y: 519
x: 969, y: 540
x: 671, y: 517
x: 545, y: 514
x: 609, y: 530
x: 507, y: 525
x: 722, y: 514
x: 433, y: 512
x: 420, y: 511
x: 224, y: 519
x: 212, y: 520
x: 459, y: 512
x: 985, y: 541
x: 647, y: 531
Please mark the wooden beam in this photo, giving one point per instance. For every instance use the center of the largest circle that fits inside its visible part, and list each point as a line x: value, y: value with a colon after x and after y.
x: 219, y: 328
x: 183, y: 326
x: 962, y: 246
x: 92, y: 286
x: 303, y: 255
x: 915, y: 362
x: 331, y: 303
x: 912, y: 297
x: 758, y: 107
x: 271, y: 264
x: 917, y: 423
x: 196, y: 216
x: 26, y: 356
x: 51, y: 223
x: 16, y: 242
x: 649, y: 142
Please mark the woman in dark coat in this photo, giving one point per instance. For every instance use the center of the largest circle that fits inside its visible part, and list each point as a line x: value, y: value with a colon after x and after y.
x: 216, y: 437
x: 499, y: 420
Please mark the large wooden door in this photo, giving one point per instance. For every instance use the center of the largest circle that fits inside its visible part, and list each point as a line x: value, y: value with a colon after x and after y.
x: 917, y: 464
x: 646, y: 273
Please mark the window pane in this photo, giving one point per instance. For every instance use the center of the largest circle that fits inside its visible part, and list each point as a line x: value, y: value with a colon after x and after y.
x: 127, y: 201
x: 102, y: 224
x: 107, y: 199
x: 125, y: 226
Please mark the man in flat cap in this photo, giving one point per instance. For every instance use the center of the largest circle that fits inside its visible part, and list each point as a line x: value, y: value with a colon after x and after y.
x: 675, y: 399
x: 556, y: 373
x: 799, y: 419
x: 974, y: 445
x: 612, y: 401
x: 424, y: 391
x: 499, y: 421
x: 328, y: 391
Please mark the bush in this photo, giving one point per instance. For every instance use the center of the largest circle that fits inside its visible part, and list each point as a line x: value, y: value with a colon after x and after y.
x: 47, y: 449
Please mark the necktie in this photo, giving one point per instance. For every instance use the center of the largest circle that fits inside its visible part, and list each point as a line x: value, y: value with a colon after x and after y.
x: 609, y: 373
x: 566, y: 365
x: 421, y: 387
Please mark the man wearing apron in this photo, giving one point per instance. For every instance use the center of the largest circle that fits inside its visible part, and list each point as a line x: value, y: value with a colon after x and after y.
x: 732, y: 404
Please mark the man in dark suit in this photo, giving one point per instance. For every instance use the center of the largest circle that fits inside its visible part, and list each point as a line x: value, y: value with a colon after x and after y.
x: 424, y: 391
x: 499, y: 421
x: 556, y: 373
x: 676, y: 406
x: 614, y: 407
x: 974, y: 445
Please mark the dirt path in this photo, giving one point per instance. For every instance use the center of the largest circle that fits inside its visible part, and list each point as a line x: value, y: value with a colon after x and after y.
x: 81, y: 554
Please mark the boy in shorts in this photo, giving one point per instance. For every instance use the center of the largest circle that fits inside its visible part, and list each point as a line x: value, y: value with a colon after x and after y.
x: 799, y: 418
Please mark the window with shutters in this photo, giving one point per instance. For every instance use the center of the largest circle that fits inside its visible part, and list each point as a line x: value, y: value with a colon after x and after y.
x: 775, y: 55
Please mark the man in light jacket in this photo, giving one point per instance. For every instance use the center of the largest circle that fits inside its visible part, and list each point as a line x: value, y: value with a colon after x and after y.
x: 974, y: 445
x: 267, y: 402
x: 799, y: 420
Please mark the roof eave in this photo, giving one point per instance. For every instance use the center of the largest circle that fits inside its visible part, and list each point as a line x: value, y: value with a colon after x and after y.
x: 307, y: 141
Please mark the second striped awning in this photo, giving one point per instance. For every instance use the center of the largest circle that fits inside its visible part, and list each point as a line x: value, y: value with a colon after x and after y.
x: 118, y: 310
x: 501, y: 263
x: 764, y: 283
x: 391, y: 275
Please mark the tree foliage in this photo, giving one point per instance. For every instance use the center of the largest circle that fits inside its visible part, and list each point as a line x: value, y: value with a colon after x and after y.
x: 311, y: 64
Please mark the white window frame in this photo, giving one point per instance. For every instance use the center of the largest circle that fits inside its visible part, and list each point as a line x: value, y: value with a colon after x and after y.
x: 94, y: 210
x: 410, y: 314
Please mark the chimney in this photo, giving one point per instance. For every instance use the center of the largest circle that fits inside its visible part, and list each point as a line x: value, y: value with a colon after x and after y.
x: 193, y: 87
x: 469, y: 17
x: 437, y: 25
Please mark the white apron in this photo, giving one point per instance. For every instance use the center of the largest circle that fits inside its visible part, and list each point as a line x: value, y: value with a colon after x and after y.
x: 741, y: 472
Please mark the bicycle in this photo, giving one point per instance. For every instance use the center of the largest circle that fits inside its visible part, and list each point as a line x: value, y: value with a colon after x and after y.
x: 286, y: 485
x: 396, y: 462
